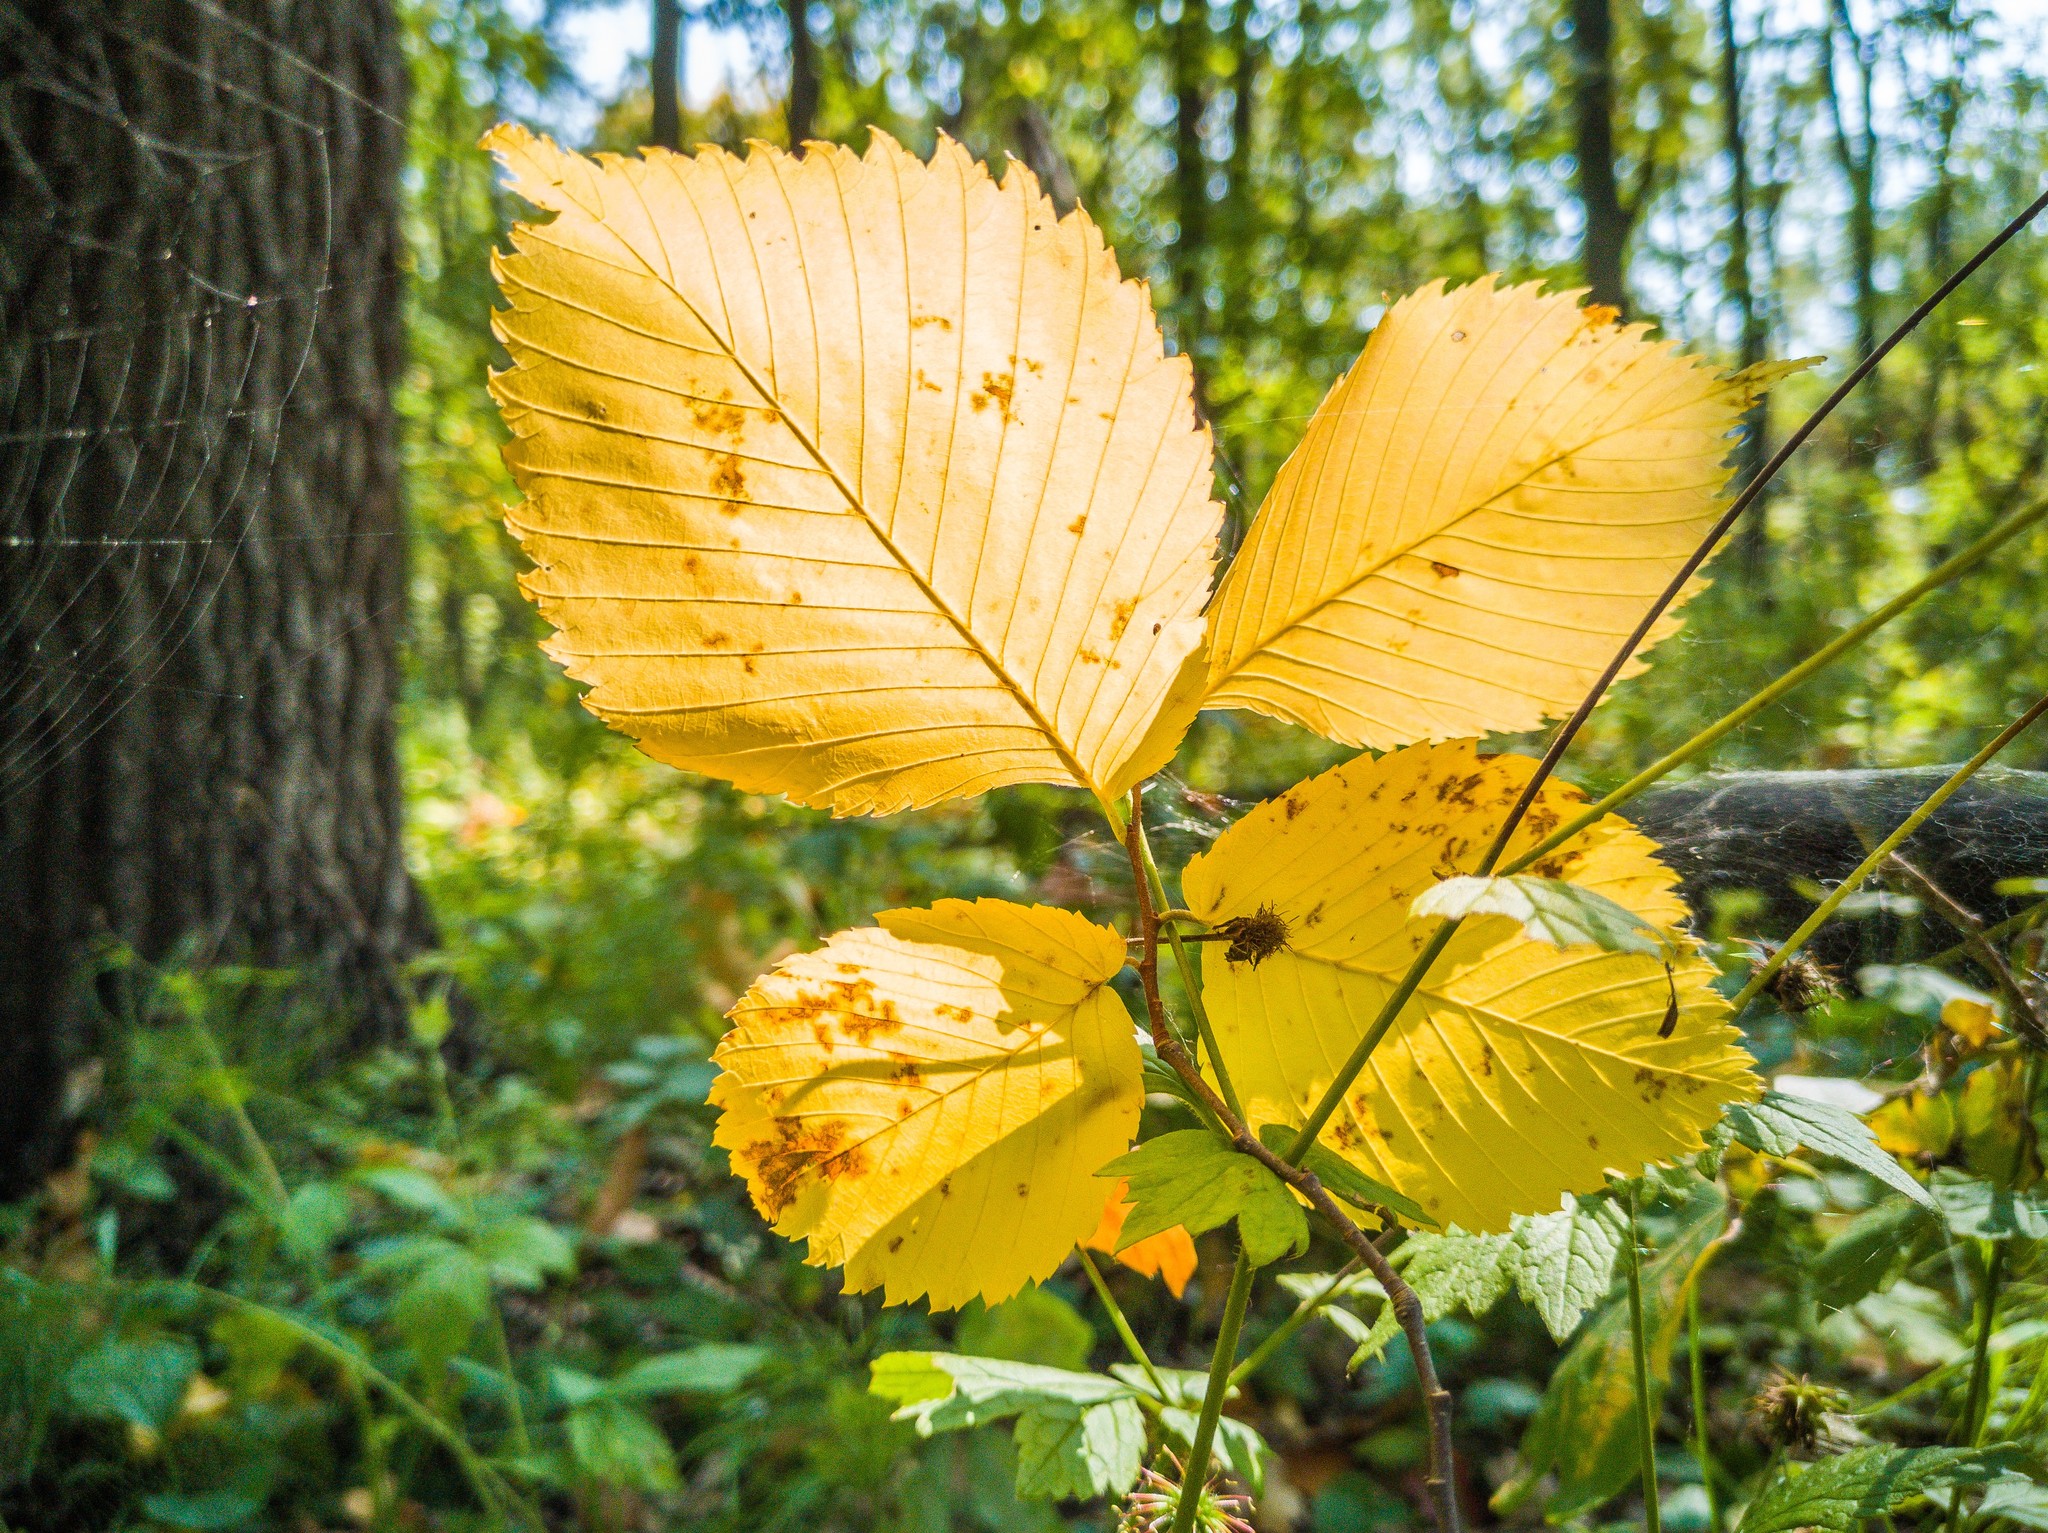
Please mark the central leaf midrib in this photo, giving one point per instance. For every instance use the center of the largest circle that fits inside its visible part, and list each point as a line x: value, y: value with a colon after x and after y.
x: 773, y: 401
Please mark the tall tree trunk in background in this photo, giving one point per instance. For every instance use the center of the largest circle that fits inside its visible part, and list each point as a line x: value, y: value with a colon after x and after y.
x: 803, y: 73
x: 1942, y: 349
x: 202, y: 548
x: 666, y: 70
x: 1190, y: 178
x: 1856, y: 153
x: 1738, y: 279
x: 1604, y: 249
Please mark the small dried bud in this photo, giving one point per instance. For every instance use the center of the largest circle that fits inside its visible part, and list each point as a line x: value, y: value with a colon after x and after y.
x: 1803, y: 984
x: 1792, y: 1413
x: 1255, y: 937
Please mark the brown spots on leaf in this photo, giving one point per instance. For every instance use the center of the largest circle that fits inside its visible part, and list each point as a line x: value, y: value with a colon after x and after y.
x: 1461, y: 791
x: 1026, y: 363
x: 690, y: 564
x: 590, y: 409
x: 1557, y: 864
x: 996, y: 389
x: 926, y: 384
x: 1088, y: 656
x: 961, y: 1014
x: 1345, y: 1135
x: 751, y: 666
x: 730, y: 483
x: 921, y: 320
x: 1315, y: 915
x: 1654, y: 1083
x: 717, y: 640
x: 1592, y: 1141
x: 1485, y: 1058
x: 1598, y: 316
x: 1121, y: 618
x: 906, y: 1071
x: 1445, y: 571
x: 798, y: 1151
x: 847, y: 968
x: 1078, y: 525
x: 895, y: 1242
x: 1291, y: 806
x: 1023, y: 1189
x: 717, y: 416
x: 946, y: 1188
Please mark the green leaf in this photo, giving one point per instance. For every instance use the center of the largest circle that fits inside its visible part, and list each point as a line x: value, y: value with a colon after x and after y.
x: 1780, y: 1124
x: 139, y: 1382
x: 1192, y: 1178
x: 411, y: 1189
x: 1448, y: 1272
x: 1344, y: 1179
x: 709, y: 1368
x: 523, y: 1252
x: 1037, y: 1326
x: 1183, y: 1387
x: 613, y: 1443
x: 1982, y: 1211
x: 1585, y: 1429
x: 1869, y: 1251
x: 1836, y: 1494
x: 1548, y: 910
x: 946, y: 1391
x: 315, y: 1217
x: 1564, y: 1262
x: 1079, y: 1452
x: 2018, y: 1500
x: 1917, y: 990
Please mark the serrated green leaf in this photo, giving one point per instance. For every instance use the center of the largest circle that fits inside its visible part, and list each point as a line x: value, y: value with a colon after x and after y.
x: 1193, y: 1179
x: 1343, y: 1179
x: 139, y: 1382
x: 1448, y: 1272
x: 615, y: 1444
x: 1564, y: 1262
x: 2018, y: 1500
x: 946, y: 1391
x: 1869, y: 1251
x: 1836, y: 1494
x: 1238, y: 1449
x: 1079, y: 1452
x: 1779, y: 1124
x: 1548, y: 910
x: 1178, y: 1386
x: 1976, y: 1208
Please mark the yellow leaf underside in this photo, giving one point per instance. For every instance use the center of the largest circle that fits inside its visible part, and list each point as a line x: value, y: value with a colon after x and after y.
x: 1480, y: 511
x: 849, y: 477
x: 1519, y: 1071
x: 927, y: 1103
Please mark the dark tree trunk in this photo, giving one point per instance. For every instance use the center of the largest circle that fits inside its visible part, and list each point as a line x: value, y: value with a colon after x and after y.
x: 803, y: 74
x: 665, y: 70
x: 1604, y: 247
x: 202, y: 551
x: 1190, y: 178
x: 1740, y: 283
x: 1856, y: 153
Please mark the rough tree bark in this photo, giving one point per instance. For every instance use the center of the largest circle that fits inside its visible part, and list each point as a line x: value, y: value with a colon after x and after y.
x: 1604, y: 245
x: 202, y: 551
x: 802, y: 107
x: 664, y: 71
x: 1751, y: 542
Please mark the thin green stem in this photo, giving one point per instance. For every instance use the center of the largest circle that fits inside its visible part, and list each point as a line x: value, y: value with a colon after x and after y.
x: 1333, y: 1095
x: 1702, y: 1446
x: 515, y: 1408
x: 1848, y: 886
x: 1186, y: 967
x: 252, y: 1142
x: 1196, y: 1472
x: 1303, y: 1313
x: 1948, y: 570
x: 1970, y: 1429
x: 1124, y: 1332
x: 1646, y: 1421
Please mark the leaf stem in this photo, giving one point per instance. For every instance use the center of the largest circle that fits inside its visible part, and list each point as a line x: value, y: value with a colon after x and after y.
x: 1949, y: 569
x: 1646, y: 1421
x: 1196, y: 1472
x: 1303, y: 1313
x: 1406, y: 1306
x: 1568, y: 731
x: 1156, y: 887
x: 1848, y: 886
x: 1970, y: 1429
x: 1116, y: 1318
x: 1703, y: 1448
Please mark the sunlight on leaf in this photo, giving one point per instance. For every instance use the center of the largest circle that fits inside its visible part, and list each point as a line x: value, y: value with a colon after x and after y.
x: 1479, y: 513
x: 928, y: 1101
x: 1192, y: 1180
x: 1518, y: 1072
x: 817, y: 511
x: 1168, y: 1255
x: 1549, y: 910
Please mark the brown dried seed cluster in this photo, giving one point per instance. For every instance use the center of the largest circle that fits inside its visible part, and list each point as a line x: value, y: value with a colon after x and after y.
x: 1255, y: 937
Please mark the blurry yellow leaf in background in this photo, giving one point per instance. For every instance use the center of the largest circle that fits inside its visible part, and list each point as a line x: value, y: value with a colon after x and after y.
x: 1915, y: 1124
x: 849, y: 477
x: 1973, y: 1021
x: 1169, y: 1255
x: 1519, y: 1071
x: 1479, y: 513
x: 1993, y: 1121
x: 927, y: 1102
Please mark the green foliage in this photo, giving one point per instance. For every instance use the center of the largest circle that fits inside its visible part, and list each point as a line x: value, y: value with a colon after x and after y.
x: 1549, y: 910
x: 1838, y: 1494
x: 1780, y: 1124
x: 1193, y: 1179
x: 1344, y: 1179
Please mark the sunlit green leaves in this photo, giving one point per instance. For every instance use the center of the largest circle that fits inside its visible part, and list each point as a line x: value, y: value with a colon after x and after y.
x: 1780, y: 1124
x: 1548, y: 910
x: 1191, y: 1178
x: 1343, y: 1179
x: 1838, y: 1494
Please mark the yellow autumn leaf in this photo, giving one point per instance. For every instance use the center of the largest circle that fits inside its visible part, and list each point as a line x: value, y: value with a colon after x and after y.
x: 1480, y: 511
x: 1519, y: 1071
x: 1914, y: 1124
x: 850, y: 477
x: 927, y: 1101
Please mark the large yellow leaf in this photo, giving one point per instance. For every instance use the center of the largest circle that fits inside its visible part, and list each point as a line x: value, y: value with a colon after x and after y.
x: 1481, y: 510
x: 1519, y: 1071
x: 850, y: 477
x: 928, y: 1101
